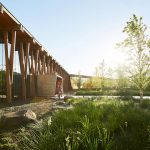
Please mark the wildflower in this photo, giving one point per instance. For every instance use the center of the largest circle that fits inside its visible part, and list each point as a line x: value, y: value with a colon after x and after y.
x: 67, y: 139
x: 49, y: 121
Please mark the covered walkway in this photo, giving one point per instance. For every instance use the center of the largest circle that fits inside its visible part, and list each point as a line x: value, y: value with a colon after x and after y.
x: 18, y: 44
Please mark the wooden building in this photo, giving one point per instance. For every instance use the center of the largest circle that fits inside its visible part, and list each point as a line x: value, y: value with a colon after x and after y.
x: 34, y: 60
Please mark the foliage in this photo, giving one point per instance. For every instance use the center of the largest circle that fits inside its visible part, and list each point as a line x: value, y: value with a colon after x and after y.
x: 145, y: 104
x: 91, y: 125
x: 16, y: 83
x: 6, y: 143
x: 94, y: 82
x: 100, y: 79
x: 2, y: 82
x: 111, y: 92
x: 137, y: 41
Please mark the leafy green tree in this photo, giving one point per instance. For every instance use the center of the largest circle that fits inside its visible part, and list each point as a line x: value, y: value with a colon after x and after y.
x: 137, y: 41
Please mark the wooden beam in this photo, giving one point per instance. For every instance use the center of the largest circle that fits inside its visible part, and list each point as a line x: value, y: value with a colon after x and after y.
x: 18, y: 27
x: 8, y: 83
x: 1, y: 9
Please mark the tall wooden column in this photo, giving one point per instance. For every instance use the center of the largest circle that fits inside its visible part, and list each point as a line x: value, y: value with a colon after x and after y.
x: 39, y: 65
x: 8, y: 83
x: 36, y: 61
x: 43, y: 64
x: 54, y: 66
x: 32, y: 76
x: 57, y: 69
x: 9, y: 63
x: 60, y: 69
x: 48, y: 65
x: 22, y: 68
x: 13, y: 46
x: 51, y: 66
x: 26, y: 57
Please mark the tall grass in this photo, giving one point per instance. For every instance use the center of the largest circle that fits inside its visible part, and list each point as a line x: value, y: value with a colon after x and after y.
x: 89, y: 126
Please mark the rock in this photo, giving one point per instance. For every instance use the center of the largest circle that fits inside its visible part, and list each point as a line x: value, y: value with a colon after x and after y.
x: 15, y: 119
x: 67, y: 97
x: 60, y: 103
x: 58, y: 107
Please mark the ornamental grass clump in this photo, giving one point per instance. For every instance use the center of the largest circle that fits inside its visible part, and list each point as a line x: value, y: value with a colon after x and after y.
x: 113, y: 125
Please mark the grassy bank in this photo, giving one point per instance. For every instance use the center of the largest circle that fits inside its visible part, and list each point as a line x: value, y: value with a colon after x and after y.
x: 111, y: 92
x: 102, y: 124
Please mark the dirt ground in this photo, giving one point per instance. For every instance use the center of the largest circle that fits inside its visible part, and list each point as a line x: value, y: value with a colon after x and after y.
x: 41, y: 106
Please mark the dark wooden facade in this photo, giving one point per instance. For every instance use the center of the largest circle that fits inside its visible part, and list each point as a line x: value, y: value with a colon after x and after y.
x: 31, y: 54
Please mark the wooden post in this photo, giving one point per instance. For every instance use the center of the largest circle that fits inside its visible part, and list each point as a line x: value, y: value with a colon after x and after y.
x: 22, y: 68
x: 13, y: 45
x: 44, y: 68
x: 27, y: 56
x: 58, y: 69
x: 48, y: 65
x: 51, y: 66
x: 32, y: 76
x: 39, y: 65
x: 36, y: 61
x: 12, y: 50
x: 26, y: 61
x: 61, y: 71
x: 54, y: 66
x: 8, y: 81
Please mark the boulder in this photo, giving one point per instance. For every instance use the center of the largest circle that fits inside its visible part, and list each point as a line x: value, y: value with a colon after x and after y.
x: 67, y: 97
x: 15, y: 119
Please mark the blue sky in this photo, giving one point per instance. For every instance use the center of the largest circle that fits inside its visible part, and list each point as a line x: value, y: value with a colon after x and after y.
x: 79, y: 33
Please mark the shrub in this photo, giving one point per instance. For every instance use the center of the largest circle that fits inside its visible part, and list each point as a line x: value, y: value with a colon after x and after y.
x: 145, y: 104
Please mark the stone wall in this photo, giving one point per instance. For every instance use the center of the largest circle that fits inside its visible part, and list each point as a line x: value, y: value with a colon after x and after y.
x: 46, y: 85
